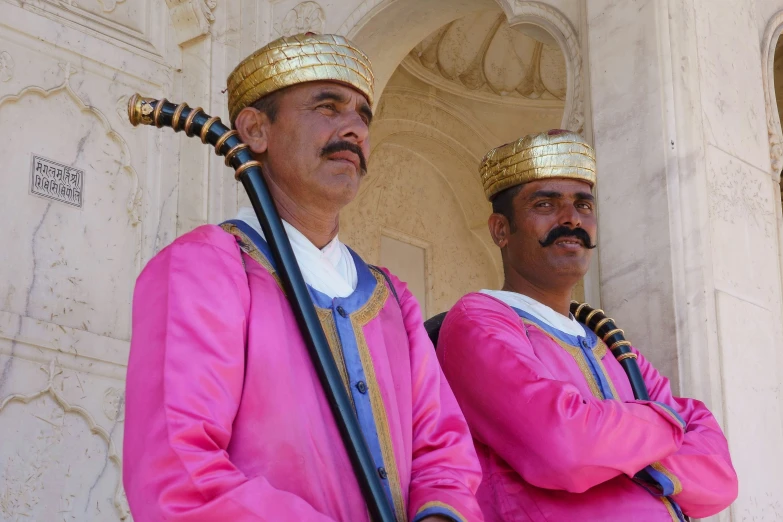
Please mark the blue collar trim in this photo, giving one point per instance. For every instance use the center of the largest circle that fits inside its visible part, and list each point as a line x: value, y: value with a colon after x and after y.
x: 569, y: 339
x: 365, y: 286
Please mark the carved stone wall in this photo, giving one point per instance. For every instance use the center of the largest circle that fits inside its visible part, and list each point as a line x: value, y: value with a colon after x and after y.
x: 82, y: 214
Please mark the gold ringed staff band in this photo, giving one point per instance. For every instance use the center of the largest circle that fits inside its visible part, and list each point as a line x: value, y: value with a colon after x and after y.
x: 614, y: 337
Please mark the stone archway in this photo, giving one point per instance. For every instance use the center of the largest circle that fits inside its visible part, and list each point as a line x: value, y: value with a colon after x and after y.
x: 453, y: 79
x: 388, y: 29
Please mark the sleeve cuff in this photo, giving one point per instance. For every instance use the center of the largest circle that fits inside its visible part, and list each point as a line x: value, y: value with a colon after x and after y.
x: 668, y: 409
x: 438, y: 508
x: 658, y: 480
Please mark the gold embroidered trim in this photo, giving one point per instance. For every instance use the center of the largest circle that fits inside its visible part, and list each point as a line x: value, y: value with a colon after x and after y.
x: 435, y: 503
x: 330, y: 329
x: 248, y: 247
x: 600, y: 352
x: 600, y: 349
x: 671, y: 414
x: 657, y: 466
x: 359, y: 319
x: 579, y: 358
x: 584, y: 366
x: 670, y: 508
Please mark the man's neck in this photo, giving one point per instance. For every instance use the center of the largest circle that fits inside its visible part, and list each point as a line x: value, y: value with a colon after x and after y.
x: 558, y: 300
x: 317, y: 225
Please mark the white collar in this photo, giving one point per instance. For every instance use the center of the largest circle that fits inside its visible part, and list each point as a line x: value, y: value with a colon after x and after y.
x: 330, y: 270
x: 540, y: 311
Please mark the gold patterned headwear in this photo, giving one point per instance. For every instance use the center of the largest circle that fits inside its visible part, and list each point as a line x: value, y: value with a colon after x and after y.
x: 291, y: 60
x: 553, y: 154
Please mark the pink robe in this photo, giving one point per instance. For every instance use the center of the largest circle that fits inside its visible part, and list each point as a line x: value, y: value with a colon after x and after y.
x: 554, y: 447
x: 225, y: 416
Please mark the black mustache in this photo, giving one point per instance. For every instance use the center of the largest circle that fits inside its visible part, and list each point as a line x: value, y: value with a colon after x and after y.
x: 339, y: 146
x: 563, y: 231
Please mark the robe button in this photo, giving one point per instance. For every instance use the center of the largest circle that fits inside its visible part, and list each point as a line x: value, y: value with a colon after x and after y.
x: 341, y: 311
x: 382, y: 472
x: 361, y: 386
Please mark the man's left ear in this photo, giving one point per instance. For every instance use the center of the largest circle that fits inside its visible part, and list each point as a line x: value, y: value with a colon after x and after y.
x: 498, y: 229
x: 253, y: 128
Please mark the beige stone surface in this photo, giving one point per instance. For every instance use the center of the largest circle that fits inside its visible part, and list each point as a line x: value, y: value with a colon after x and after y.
x: 685, y: 109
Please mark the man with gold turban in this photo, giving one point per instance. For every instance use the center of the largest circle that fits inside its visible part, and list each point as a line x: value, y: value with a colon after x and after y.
x: 558, y: 432
x: 225, y: 416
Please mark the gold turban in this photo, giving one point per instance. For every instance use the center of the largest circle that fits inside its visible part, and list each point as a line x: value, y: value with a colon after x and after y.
x: 553, y: 154
x: 291, y: 60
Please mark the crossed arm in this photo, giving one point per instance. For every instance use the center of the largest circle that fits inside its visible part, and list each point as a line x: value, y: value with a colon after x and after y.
x: 527, y: 406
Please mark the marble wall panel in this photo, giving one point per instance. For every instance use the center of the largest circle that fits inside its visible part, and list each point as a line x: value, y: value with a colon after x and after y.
x: 752, y: 410
x: 132, y: 24
x: 628, y: 134
x: 731, y: 85
x: 744, y: 229
x: 59, y: 459
x: 68, y: 271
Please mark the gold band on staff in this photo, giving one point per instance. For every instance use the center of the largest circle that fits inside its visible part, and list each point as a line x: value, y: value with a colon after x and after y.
x: 223, y: 139
x: 177, y: 114
x: 618, y: 344
x: 601, y: 323
x: 205, y: 128
x: 579, y: 309
x: 629, y: 355
x: 230, y: 154
x: 189, y: 120
x: 156, y: 113
x: 242, y: 168
x: 591, y: 314
x: 612, y: 332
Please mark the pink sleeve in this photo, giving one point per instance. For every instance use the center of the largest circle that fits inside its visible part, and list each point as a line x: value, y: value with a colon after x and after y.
x: 185, y: 378
x: 544, y: 428
x: 445, y: 471
x: 699, y: 476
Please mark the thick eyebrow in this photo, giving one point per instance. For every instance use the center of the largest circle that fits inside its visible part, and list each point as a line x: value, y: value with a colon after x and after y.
x: 551, y: 194
x: 330, y: 95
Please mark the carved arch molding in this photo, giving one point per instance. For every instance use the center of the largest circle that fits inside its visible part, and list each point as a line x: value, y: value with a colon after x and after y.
x: 518, y: 13
x: 191, y: 18
x: 774, y: 132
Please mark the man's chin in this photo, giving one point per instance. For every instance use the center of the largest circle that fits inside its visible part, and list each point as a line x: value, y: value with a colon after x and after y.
x: 341, y: 194
x: 576, y: 265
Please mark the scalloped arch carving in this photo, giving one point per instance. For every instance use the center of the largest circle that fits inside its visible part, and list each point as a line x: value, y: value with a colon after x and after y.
x: 558, y: 26
x: 120, y: 502
x: 774, y: 132
x: 517, y: 13
x: 58, y: 287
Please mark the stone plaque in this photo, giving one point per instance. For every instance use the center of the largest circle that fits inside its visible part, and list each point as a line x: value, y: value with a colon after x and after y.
x: 52, y: 180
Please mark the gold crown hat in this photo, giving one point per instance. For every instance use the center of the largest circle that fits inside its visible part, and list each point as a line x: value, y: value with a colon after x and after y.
x: 291, y: 60
x: 553, y: 154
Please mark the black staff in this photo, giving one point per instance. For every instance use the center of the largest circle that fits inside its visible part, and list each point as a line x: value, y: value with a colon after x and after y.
x: 162, y: 113
x: 614, y: 337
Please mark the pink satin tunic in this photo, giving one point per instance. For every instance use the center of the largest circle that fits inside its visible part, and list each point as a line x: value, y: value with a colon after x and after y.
x: 559, y: 434
x: 225, y: 416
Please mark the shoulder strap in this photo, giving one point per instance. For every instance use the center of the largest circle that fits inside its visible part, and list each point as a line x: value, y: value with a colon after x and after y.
x: 388, y: 282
